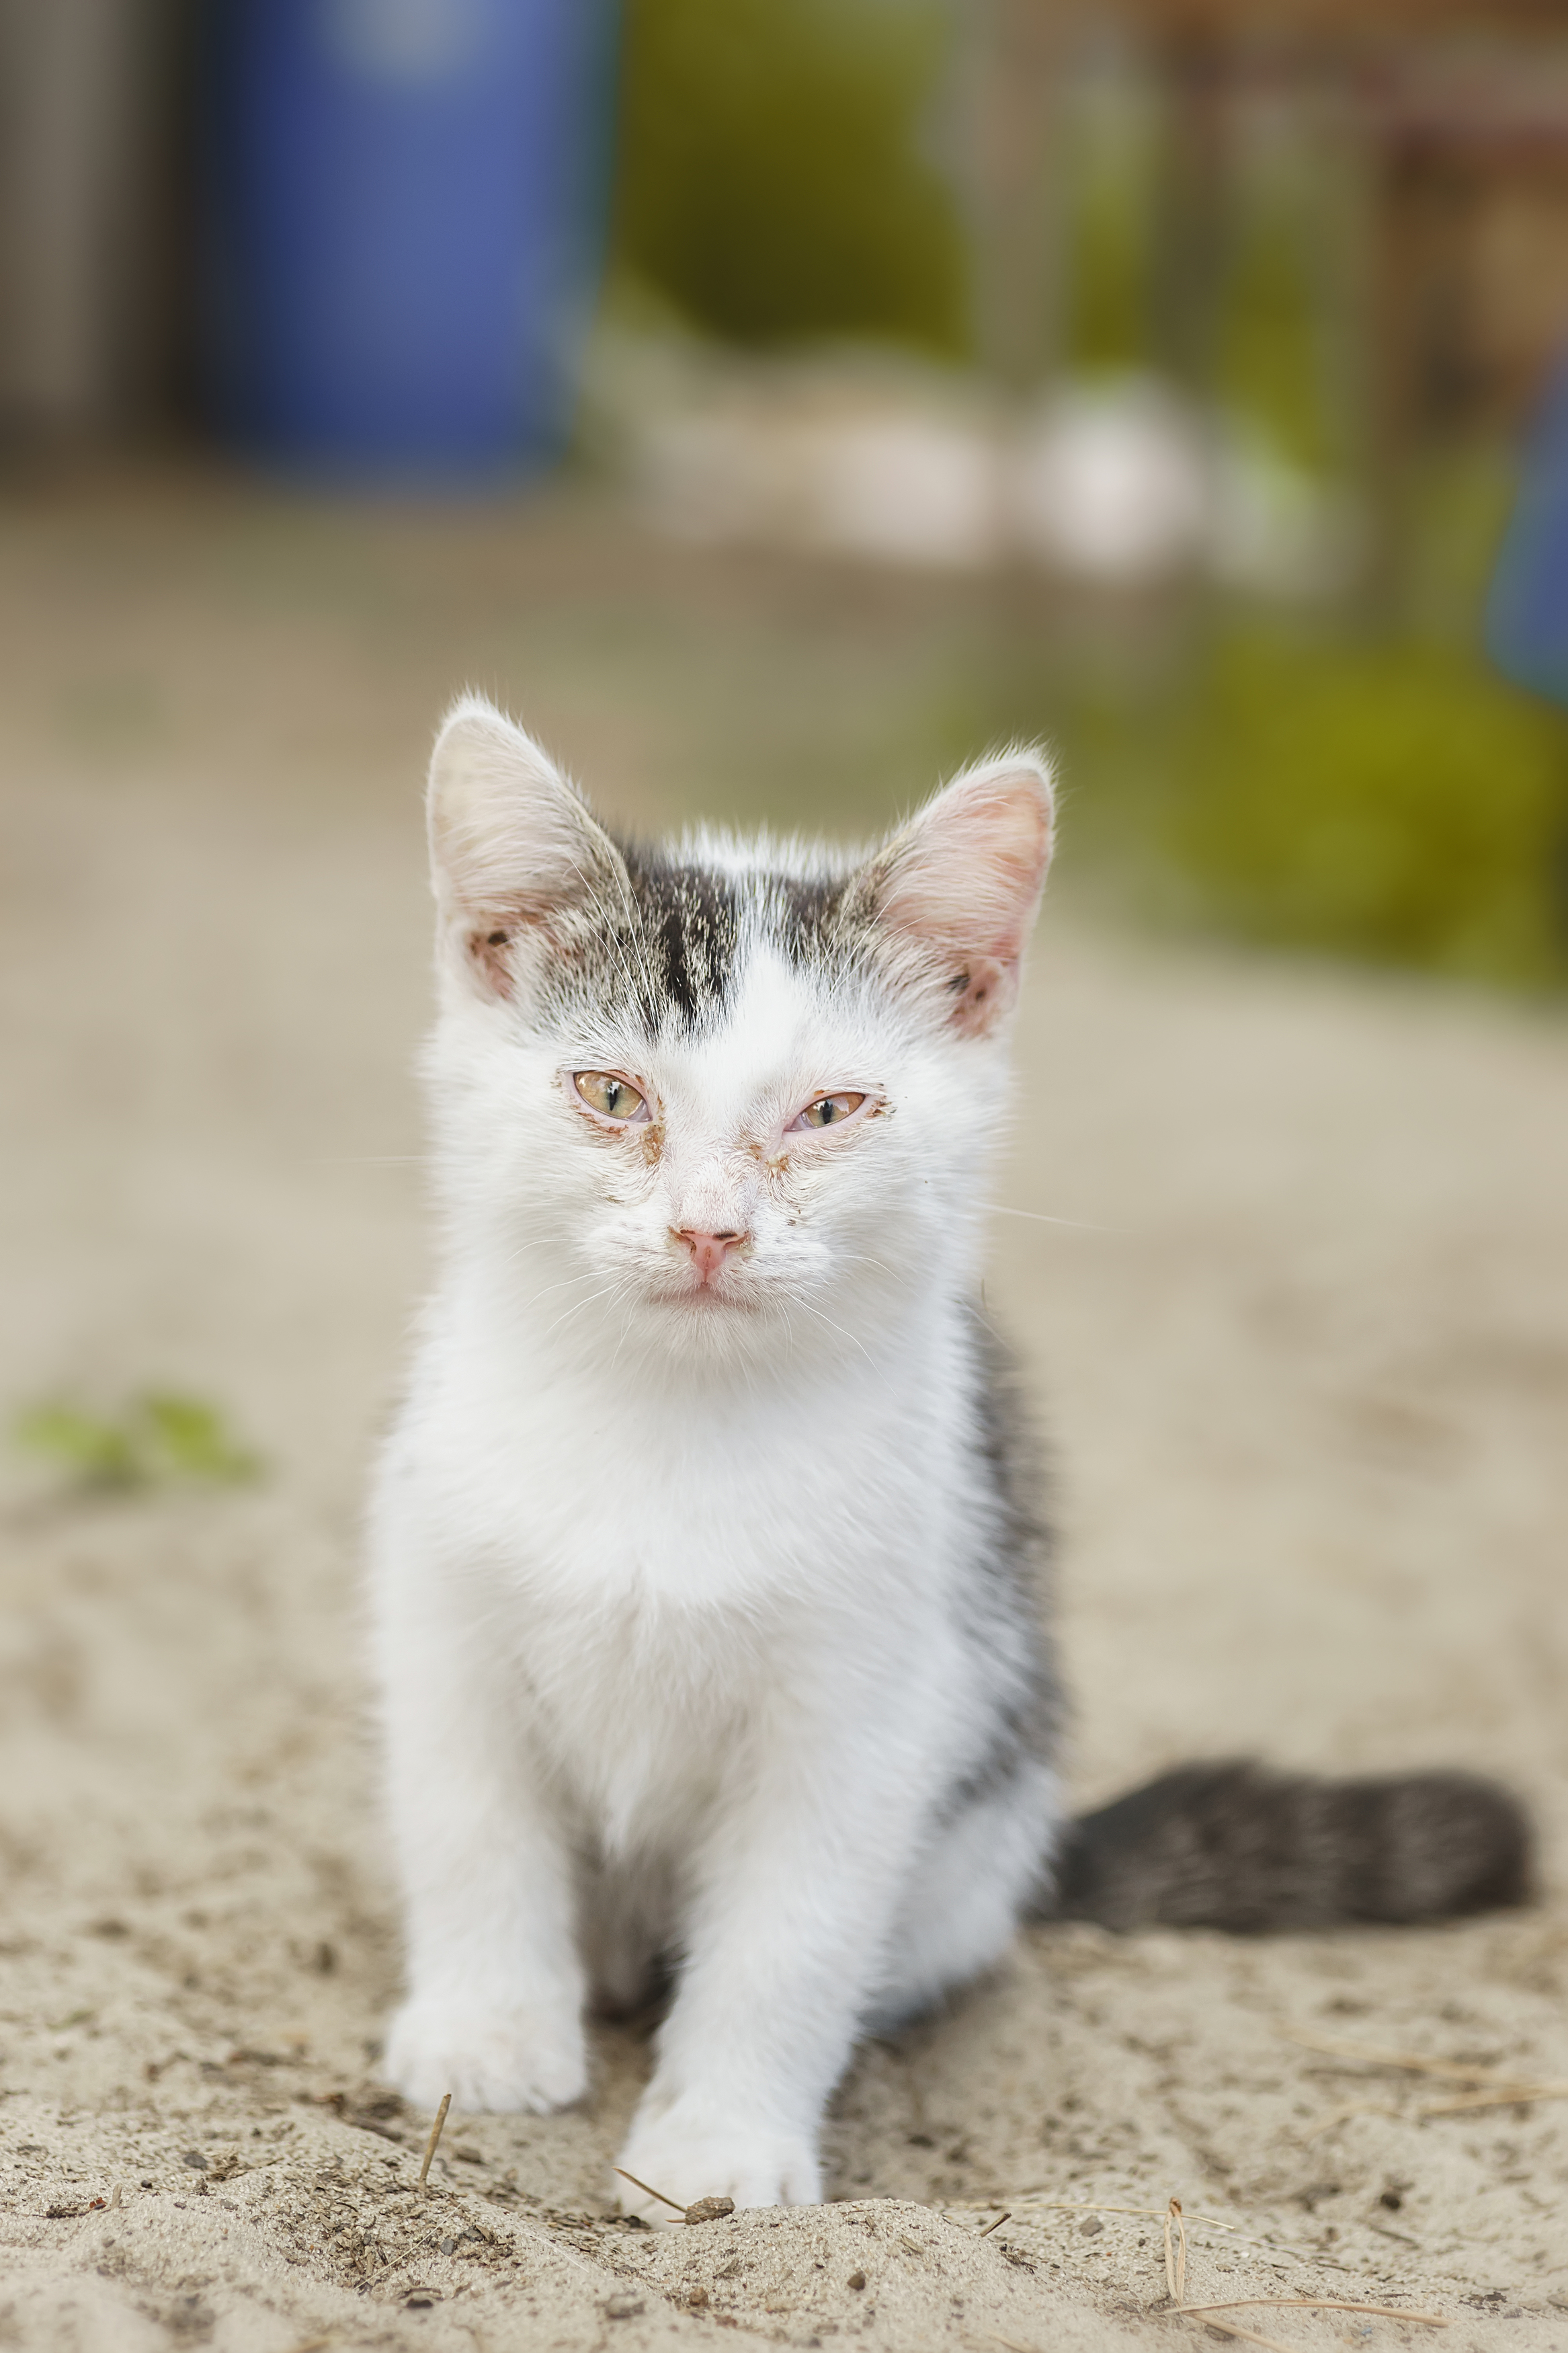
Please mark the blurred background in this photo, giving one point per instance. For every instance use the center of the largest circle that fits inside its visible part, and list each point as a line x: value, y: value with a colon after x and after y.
x: 830, y: 387
x: 775, y: 403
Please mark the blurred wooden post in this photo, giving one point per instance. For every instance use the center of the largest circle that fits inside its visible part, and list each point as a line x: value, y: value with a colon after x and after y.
x: 86, y: 107
x: 1191, y: 235
x: 1016, y: 53
x: 1357, y: 321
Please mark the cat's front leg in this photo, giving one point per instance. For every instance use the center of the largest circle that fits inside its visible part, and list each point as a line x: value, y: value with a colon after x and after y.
x: 494, y: 2009
x: 798, y: 1891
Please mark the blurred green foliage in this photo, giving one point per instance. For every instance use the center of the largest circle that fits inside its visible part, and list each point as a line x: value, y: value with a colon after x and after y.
x: 1389, y: 802
x: 1384, y: 797
x: 772, y: 184
x: 1110, y: 230
x: 157, y: 1439
x: 1270, y: 363
x: 1105, y: 329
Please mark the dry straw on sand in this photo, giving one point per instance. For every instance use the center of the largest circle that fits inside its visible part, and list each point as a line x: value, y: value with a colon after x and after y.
x: 1175, y: 2255
x: 1489, y: 2086
x: 436, y: 2131
x: 702, y: 2210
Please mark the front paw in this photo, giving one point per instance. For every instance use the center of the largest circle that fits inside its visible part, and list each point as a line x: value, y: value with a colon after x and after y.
x: 488, y: 2056
x: 693, y: 2150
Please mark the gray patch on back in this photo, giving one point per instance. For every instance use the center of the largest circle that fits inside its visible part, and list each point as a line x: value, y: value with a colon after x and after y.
x: 1004, y: 1603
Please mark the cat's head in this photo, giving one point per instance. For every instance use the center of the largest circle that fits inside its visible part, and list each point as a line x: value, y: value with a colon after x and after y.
x: 723, y: 1098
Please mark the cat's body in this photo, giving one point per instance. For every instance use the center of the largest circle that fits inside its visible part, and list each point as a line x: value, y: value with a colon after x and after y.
x: 707, y: 1564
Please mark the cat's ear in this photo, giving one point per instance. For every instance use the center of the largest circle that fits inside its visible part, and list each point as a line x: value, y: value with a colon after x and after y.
x: 960, y: 885
x: 513, y: 849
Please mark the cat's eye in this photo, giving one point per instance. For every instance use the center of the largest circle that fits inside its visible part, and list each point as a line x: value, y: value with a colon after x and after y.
x: 827, y: 1111
x: 610, y: 1095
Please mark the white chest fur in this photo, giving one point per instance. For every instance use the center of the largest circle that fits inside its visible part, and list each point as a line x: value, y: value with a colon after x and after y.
x: 660, y: 1572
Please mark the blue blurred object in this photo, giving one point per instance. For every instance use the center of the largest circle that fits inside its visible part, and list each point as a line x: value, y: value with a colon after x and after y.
x: 1527, y: 605
x: 403, y: 221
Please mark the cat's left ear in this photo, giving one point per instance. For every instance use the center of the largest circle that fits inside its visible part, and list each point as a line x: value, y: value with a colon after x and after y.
x: 960, y: 884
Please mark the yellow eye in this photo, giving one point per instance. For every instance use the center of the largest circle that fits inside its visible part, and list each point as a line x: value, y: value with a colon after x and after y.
x: 827, y: 1111
x: 610, y: 1096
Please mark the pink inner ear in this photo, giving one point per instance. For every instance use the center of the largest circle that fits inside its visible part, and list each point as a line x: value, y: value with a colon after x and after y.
x: 511, y: 842
x: 968, y: 876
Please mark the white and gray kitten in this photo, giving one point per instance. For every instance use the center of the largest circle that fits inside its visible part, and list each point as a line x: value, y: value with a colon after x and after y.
x: 706, y: 1558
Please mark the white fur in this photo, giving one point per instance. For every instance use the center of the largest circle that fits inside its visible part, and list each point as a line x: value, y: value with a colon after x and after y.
x: 668, y: 1593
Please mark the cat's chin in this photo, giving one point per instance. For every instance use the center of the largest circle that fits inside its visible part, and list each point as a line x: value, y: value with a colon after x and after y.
x: 706, y: 1326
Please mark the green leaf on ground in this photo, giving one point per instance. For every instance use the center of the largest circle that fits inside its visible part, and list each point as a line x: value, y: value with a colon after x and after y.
x: 158, y: 1439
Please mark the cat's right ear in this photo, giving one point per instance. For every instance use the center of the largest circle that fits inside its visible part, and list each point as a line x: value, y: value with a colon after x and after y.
x: 513, y: 849
x: 960, y: 886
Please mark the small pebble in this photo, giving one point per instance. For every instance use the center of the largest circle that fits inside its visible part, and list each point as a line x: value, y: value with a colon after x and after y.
x: 709, y: 2210
x: 624, y: 2307
x: 1090, y: 2227
x: 857, y: 2279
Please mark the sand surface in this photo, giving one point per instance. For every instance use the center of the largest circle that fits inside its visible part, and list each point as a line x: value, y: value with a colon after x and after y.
x: 1304, y: 1356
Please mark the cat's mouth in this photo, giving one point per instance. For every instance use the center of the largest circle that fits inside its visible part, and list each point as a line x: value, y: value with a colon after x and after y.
x: 719, y: 1294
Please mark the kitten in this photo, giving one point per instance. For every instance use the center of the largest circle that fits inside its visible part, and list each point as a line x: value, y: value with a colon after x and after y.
x: 706, y: 1553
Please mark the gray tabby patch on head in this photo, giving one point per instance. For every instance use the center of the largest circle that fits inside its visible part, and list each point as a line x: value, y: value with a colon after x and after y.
x: 683, y: 941
x: 686, y: 934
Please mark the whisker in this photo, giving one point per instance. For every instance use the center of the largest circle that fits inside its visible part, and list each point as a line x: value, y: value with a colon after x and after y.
x: 576, y: 1308
x: 1001, y: 1209
x: 566, y: 1281
x: 548, y: 1243
x: 625, y: 1328
x: 832, y: 1326
x: 524, y: 1247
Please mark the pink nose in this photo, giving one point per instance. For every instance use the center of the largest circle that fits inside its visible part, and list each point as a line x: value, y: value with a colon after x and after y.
x: 709, y: 1252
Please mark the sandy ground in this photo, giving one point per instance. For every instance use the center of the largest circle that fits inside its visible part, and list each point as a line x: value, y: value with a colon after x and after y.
x: 1304, y: 1355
